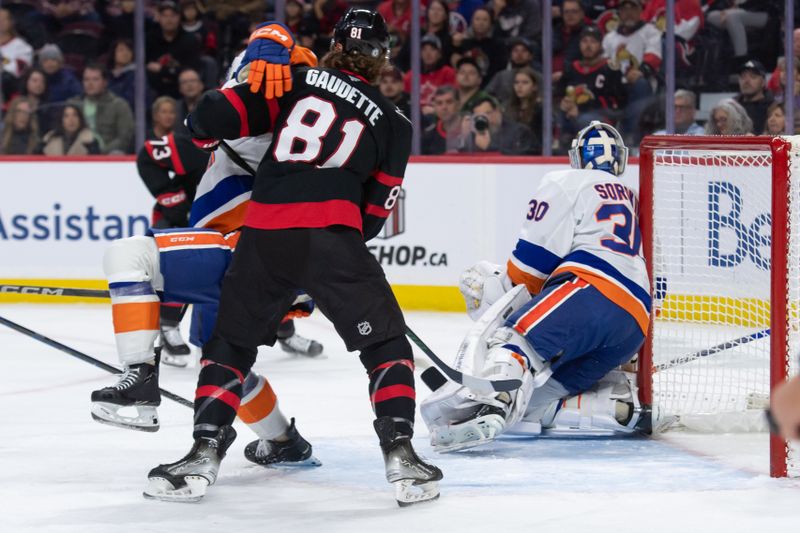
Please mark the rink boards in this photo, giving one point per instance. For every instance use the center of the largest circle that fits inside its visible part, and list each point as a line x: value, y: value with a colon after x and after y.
x: 58, y: 216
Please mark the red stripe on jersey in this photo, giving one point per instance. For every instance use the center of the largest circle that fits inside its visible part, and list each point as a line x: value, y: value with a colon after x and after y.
x: 393, y: 391
x: 218, y: 393
x: 404, y: 362
x: 239, y: 376
x: 377, y: 211
x: 303, y: 215
x: 386, y: 179
x: 177, y: 164
x: 238, y: 105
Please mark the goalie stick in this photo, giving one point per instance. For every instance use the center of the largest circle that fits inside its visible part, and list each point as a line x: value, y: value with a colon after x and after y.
x: 682, y: 360
x: 484, y: 386
x: 83, y: 357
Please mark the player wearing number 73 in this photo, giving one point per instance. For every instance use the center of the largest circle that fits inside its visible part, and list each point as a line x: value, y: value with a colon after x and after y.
x: 583, y: 311
x: 325, y: 186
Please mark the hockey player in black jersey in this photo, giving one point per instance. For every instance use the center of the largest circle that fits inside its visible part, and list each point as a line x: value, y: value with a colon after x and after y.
x: 325, y: 186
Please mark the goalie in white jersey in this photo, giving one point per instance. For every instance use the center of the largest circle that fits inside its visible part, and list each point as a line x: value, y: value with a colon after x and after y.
x: 572, y: 305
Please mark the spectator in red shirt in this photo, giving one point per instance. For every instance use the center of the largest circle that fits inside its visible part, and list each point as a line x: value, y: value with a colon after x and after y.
x: 397, y: 14
x: 435, y: 72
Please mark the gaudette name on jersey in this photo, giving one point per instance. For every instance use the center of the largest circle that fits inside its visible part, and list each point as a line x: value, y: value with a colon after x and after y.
x: 345, y: 91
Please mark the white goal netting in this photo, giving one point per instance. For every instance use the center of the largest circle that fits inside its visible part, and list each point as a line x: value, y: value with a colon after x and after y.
x: 712, y: 273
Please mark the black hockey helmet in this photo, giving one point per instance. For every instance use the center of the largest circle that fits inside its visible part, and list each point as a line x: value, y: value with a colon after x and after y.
x: 361, y: 31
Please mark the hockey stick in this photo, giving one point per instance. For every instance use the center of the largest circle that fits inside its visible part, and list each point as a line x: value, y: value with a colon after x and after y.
x: 83, y: 357
x: 236, y: 158
x: 53, y: 291
x: 484, y: 386
x: 672, y: 363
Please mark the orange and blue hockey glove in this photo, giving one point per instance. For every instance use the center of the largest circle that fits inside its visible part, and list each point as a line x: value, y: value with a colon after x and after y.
x: 268, y: 56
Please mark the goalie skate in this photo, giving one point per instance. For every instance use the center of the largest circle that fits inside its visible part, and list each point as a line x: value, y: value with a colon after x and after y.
x: 484, y: 427
x: 297, y: 344
x: 187, y: 479
x: 414, y: 480
x: 296, y: 451
x: 135, y: 392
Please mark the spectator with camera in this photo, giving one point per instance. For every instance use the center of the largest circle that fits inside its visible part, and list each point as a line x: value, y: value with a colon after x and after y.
x: 107, y: 115
x: 590, y: 89
x: 443, y: 134
x: 485, y: 130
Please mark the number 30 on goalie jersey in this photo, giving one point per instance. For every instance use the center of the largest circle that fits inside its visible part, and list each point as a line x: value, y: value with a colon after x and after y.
x: 584, y: 222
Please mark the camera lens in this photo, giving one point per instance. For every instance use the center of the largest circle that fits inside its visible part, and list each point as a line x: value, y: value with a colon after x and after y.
x: 481, y: 123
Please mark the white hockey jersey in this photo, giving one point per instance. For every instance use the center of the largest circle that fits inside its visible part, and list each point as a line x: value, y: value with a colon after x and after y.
x: 224, y: 190
x: 585, y: 222
x: 626, y: 51
x: 15, y: 56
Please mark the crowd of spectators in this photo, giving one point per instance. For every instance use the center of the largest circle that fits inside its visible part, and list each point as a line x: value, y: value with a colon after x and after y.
x: 68, y: 67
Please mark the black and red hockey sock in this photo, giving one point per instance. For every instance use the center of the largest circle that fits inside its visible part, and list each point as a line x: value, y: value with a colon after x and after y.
x: 219, y: 386
x: 391, y: 382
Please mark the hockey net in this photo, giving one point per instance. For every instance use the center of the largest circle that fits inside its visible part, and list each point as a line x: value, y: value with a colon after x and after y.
x: 720, y: 220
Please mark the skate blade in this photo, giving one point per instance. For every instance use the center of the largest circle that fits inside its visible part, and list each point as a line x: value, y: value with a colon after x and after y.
x: 107, y: 414
x: 311, y: 462
x: 467, y: 435
x: 178, y: 361
x: 160, y: 489
x: 409, y: 492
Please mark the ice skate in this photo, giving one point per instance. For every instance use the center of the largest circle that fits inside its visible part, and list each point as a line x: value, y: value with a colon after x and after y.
x: 176, y: 351
x: 298, y: 344
x: 488, y: 422
x: 296, y: 451
x: 136, y: 390
x: 187, y: 479
x: 414, y: 480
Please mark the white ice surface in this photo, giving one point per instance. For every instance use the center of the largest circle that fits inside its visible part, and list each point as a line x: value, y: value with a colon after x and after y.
x: 60, y: 471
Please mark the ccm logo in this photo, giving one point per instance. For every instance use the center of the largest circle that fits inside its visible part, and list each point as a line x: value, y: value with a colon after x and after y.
x: 273, y: 32
x: 181, y: 239
x: 170, y: 199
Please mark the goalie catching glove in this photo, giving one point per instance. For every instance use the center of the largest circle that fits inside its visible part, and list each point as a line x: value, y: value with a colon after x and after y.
x: 481, y: 285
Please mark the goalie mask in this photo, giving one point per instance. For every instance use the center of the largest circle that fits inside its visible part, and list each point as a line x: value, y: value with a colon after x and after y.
x: 363, y: 32
x: 599, y: 147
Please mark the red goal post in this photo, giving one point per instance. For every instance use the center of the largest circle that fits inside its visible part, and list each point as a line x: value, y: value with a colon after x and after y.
x: 719, y: 293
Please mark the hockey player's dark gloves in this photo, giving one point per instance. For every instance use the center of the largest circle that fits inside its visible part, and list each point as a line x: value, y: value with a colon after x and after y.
x: 268, y: 55
x: 209, y: 145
